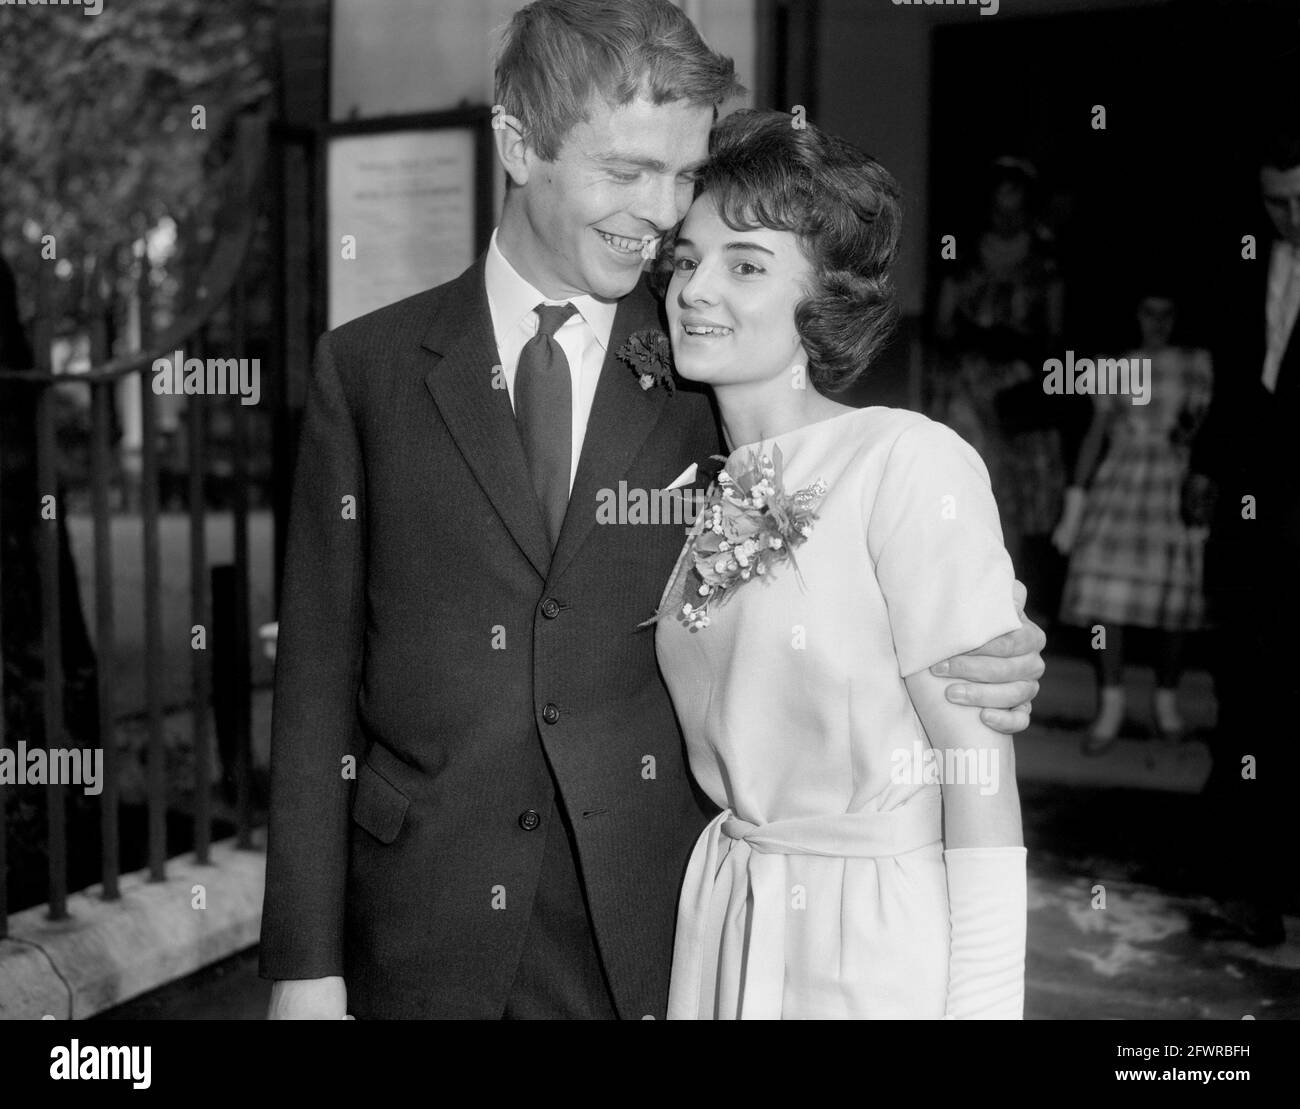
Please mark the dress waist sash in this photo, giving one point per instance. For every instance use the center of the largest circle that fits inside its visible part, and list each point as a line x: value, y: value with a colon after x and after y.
x: 754, y: 854
x: 864, y: 835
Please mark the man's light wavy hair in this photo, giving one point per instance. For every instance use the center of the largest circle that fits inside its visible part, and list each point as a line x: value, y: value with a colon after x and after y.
x: 556, y: 55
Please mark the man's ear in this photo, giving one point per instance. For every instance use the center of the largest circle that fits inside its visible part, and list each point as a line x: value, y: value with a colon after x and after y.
x: 512, y: 149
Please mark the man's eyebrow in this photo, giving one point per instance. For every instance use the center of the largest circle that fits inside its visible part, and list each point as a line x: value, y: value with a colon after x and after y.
x: 737, y: 245
x: 649, y: 163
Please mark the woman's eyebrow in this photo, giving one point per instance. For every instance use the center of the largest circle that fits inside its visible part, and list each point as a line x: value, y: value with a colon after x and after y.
x: 737, y: 245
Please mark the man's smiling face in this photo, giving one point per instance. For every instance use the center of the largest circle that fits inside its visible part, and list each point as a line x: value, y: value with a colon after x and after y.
x: 621, y: 179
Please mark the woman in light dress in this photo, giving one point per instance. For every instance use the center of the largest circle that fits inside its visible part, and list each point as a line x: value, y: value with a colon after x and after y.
x: 868, y: 861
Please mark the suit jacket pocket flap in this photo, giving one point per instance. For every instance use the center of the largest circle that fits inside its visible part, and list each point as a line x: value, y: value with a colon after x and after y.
x: 379, y: 806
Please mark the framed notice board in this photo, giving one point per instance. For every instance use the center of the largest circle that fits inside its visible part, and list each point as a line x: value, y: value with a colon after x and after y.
x: 408, y: 205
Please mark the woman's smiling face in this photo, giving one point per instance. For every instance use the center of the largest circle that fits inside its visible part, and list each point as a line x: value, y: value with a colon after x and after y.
x: 732, y: 297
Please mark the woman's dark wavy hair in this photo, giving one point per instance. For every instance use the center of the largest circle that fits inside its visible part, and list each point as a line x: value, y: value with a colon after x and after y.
x: 764, y: 171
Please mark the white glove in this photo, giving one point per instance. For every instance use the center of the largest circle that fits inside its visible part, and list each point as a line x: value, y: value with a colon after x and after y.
x: 987, y: 910
x: 1067, y: 531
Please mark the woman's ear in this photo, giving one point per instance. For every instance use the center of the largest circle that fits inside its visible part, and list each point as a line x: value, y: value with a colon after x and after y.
x: 512, y: 148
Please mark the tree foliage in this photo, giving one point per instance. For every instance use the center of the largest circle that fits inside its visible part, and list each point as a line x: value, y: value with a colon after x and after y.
x: 97, y: 135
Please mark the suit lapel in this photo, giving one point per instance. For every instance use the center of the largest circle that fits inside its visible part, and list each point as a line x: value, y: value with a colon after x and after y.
x: 478, y: 416
x: 622, y: 416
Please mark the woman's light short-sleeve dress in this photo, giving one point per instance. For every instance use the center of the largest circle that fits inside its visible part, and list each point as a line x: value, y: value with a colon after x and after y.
x: 819, y: 892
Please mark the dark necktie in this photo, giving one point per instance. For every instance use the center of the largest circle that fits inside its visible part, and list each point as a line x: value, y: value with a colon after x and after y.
x: 544, y: 414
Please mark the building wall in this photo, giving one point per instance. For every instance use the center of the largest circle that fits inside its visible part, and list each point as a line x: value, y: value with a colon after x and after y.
x: 417, y: 56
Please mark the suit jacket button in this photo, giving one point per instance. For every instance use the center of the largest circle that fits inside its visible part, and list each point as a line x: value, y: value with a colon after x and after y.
x: 550, y: 608
x: 550, y: 713
x: 529, y: 820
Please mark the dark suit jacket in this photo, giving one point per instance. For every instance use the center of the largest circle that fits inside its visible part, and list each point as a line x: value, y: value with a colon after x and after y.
x: 1247, y: 442
x: 434, y: 638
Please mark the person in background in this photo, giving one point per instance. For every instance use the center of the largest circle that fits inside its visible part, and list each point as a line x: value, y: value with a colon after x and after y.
x: 1242, y: 484
x: 998, y: 319
x: 1133, y: 560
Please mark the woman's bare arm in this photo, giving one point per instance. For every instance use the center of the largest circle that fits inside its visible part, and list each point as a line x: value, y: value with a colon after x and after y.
x: 1092, y: 447
x: 976, y: 813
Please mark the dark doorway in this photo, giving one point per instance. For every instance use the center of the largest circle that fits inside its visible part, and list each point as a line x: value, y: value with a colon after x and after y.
x: 1168, y: 184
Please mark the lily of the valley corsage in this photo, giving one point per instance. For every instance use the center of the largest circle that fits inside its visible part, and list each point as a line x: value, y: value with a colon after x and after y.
x: 748, y: 527
x: 650, y: 354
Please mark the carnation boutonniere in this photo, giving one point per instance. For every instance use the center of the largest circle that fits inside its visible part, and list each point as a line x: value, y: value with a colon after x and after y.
x: 650, y: 355
x: 749, y: 526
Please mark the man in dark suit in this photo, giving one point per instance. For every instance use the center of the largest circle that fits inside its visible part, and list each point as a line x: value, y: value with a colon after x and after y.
x: 457, y: 621
x: 1243, y: 464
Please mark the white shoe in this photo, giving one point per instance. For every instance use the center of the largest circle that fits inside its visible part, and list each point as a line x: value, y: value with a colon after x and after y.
x: 1169, y: 724
x: 1110, y: 717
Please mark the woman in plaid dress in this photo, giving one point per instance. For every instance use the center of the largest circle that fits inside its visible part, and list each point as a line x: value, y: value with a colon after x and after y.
x: 1133, y: 562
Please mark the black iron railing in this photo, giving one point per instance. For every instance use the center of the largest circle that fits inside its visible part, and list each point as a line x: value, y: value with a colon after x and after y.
x: 222, y: 295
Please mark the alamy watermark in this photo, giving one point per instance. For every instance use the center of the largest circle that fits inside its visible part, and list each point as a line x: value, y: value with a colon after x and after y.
x: 1112, y: 377
x: 102, y: 1061
x: 951, y: 766
x: 986, y: 7
x: 179, y: 376
x: 54, y: 766
x: 88, y: 7
x: 649, y: 506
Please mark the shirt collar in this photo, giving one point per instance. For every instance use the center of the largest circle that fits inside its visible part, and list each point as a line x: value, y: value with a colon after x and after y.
x: 512, y: 298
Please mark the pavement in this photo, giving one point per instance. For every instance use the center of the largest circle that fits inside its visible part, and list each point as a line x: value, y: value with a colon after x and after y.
x: 1120, y: 924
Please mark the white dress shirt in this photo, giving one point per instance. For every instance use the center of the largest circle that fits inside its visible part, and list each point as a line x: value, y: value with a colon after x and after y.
x: 1281, y: 308
x: 584, y: 336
